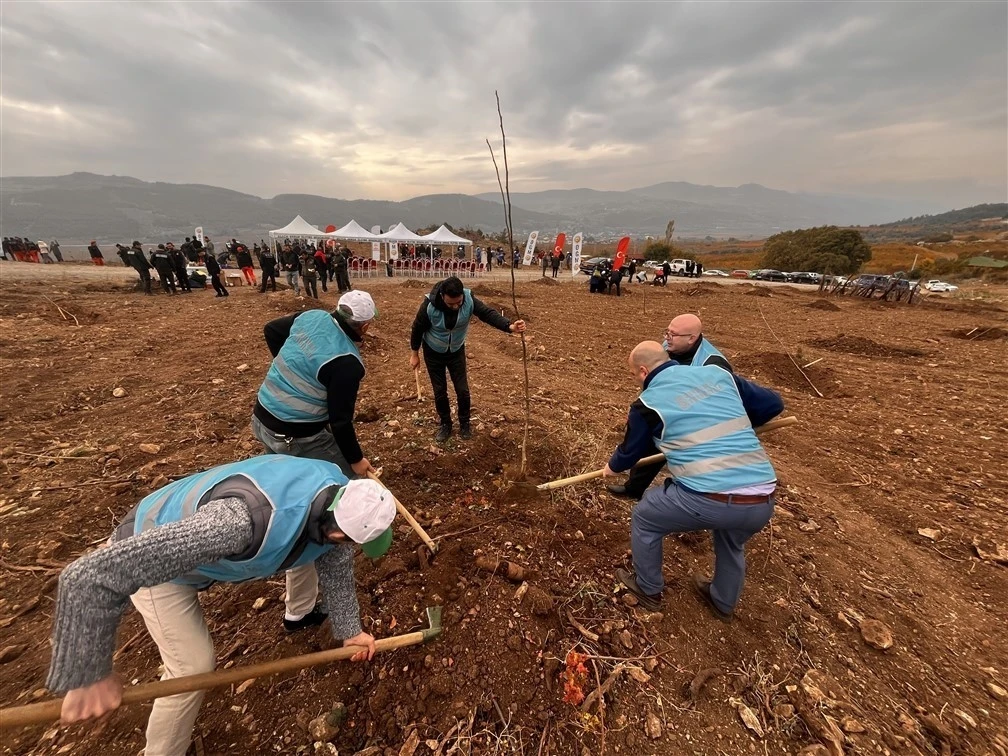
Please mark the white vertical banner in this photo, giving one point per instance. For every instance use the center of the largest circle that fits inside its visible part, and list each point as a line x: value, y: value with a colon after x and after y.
x: 393, y: 250
x: 530, y: 248
x: 199, y: 233
x: 376, y: 250
x: 576, y: 253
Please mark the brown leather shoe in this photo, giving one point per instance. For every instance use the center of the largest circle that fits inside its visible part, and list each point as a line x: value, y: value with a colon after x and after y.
x: 650, y: 602
x: 701, y: 585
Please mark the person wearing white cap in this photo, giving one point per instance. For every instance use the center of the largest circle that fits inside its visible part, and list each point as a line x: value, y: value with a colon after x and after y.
x: 305, y: 408
x: 240, y: 521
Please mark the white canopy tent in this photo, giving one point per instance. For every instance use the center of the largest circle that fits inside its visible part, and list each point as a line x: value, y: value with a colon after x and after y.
x: 399, y: 233
x: 354, y: 231
x: 298, y: 228
x: 444, y: 236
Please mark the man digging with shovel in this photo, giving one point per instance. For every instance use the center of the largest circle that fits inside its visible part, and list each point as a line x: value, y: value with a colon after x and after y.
x: 702, y: 419
x: 241, y: 521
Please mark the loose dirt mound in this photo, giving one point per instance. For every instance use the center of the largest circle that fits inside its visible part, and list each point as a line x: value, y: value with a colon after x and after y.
x: 703, y: 288
x: 545, y: 281
x: 414, y: 283
x: 992, y: 333
x: 482, y: 290
x: 775, y: 369
x: 823, y: 304
x: 863, y: 346
x: 759, y: 291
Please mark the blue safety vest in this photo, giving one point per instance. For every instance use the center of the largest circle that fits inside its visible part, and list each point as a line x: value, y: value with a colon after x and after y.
x: 279, y: 491
x: 705, y: 351
x: 706, y: 435
x: 439, y: 337
x: 291, y: 391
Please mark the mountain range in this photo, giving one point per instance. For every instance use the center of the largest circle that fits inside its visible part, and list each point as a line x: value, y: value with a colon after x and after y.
x: 82, y: 206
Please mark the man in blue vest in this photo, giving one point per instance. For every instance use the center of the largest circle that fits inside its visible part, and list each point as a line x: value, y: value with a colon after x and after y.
x: 686, y: 345
x: 702, y: 418
x: 240, y: 521
x: 440, y: 328
x: 305, y: 408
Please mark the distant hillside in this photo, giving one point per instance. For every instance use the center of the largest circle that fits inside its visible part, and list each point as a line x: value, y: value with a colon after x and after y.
x: 986, y: 221
x: 83, y: 206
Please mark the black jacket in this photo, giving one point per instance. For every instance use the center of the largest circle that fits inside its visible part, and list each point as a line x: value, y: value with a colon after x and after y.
x: 291, y: 261
x: 422, y: 323
x: 212, y: 266
x: 341, y: 376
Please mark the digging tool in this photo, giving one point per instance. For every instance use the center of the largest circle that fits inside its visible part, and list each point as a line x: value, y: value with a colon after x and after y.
x: 48, y: 711
x: 409, y: 518
x: 772, y: 425
x: 419, y: 393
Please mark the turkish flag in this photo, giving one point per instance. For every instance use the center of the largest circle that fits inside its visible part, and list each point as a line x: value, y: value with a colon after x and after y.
x: 558, y: 247
x: 330, y: 228
x: 621, y: 250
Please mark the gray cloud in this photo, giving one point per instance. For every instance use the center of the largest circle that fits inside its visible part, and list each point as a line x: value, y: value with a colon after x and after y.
x: 392, y: 100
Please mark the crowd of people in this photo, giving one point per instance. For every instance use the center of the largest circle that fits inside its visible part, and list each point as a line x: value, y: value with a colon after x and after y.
x: 26, y: 250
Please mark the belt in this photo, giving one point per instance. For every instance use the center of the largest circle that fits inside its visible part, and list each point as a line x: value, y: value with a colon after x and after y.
x: 738, y: 498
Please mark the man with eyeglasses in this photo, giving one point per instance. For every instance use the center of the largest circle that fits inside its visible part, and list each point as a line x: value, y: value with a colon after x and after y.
x: 685, y: 344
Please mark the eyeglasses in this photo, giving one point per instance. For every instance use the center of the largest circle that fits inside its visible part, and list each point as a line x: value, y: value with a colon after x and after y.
x: 672, y: 334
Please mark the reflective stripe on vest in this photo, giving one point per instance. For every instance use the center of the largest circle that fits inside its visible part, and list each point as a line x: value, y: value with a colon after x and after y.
x: 706, y: 437
x: 439, y: 337
x: 287, y: 486
x: 291, y: 390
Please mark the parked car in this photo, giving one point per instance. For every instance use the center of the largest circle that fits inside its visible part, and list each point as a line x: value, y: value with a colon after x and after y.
x: 768, y: 274
x: 679, y: 267
x: 803, y: 278
x: 715, y: 272
x: 587, y: 266
x: 867, y: 280
x: 739, y: 273
x: 940, y: 286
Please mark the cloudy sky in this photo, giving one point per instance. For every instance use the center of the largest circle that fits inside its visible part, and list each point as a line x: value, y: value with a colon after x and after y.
x: 392, y: 100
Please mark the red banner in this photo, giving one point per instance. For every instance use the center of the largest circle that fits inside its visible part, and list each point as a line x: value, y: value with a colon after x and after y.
x: 621, y: 250
x: 558, y: 246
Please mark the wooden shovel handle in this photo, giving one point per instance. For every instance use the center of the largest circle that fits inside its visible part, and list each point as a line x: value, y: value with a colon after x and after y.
x: 419, y: 393
x: 772, y: 425
x: 49, y: 711
x: 409, y: 518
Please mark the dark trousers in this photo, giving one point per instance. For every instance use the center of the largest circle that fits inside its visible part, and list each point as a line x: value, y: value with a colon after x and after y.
x: 323, y: 277
x: 145, y: 279
x: 183, y: 278
x: 455, y: 365
x: 167, y: 279
x: 218, y: 286
x: 556, y: 269
x: 311, y: 285
x: 617, y: 285
x: 343, y: 280
x: 268, y: 275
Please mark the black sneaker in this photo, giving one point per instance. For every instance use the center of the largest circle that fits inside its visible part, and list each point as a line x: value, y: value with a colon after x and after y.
x: 315, y: 617
x: 465, y: 432
x: 443, y: 434
x: 648, y: 601
x: 701, y: 586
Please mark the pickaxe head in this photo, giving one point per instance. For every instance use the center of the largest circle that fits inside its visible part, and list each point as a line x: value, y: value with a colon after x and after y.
x: 434, y: 620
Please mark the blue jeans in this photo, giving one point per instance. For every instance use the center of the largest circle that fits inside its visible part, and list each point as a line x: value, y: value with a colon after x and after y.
x: 673, y: 509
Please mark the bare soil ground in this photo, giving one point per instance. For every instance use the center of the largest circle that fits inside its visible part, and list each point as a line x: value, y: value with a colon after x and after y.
x: 892, y: 510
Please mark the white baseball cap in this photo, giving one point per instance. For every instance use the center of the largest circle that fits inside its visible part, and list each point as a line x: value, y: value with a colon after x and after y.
x: 364, y: 510
x: 359, y: 305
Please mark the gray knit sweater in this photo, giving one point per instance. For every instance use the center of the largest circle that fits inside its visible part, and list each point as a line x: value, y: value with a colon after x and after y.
x: 94, y: 590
